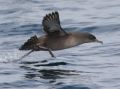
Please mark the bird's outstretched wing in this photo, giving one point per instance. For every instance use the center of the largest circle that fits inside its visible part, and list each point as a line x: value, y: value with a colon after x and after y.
x: 30, y: 43
x: 51, y: 24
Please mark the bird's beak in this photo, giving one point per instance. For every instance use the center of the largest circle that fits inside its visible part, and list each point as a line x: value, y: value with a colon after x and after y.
x: 98, y: 41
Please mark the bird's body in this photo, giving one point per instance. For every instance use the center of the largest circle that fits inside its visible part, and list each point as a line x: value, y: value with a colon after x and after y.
x: 59, y: 42
x: 56, y: 38
x: 62, y: 42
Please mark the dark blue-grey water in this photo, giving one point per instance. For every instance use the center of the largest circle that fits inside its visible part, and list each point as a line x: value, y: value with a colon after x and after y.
x: 87, y: 66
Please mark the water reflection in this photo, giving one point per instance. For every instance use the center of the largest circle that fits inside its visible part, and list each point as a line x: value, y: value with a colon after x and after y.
x: 46, y: 70
x: 74, y: 87
x: 49, y: 74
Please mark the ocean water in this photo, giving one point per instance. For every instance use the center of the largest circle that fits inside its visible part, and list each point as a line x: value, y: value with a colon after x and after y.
x: 87, y: 66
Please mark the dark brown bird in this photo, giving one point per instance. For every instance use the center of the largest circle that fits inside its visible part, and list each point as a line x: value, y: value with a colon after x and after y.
x: 56, y: 38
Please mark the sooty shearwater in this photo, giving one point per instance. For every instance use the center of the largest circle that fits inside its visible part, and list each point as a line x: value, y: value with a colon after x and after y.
x: 56, y: 38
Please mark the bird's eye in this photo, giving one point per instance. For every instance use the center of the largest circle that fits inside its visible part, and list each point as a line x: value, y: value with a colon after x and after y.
x: 92, y: 37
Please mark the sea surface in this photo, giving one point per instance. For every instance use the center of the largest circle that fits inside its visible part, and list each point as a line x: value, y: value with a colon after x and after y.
x: 87, y: 66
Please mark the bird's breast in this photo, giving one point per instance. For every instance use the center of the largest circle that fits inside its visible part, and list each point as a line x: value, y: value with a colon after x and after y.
x: 62, y: 42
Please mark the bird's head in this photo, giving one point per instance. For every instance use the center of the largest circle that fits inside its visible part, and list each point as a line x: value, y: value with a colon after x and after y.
x: 91, y: 38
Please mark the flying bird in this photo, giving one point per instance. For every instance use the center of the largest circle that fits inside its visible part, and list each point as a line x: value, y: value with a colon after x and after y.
x: 56, y: 38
